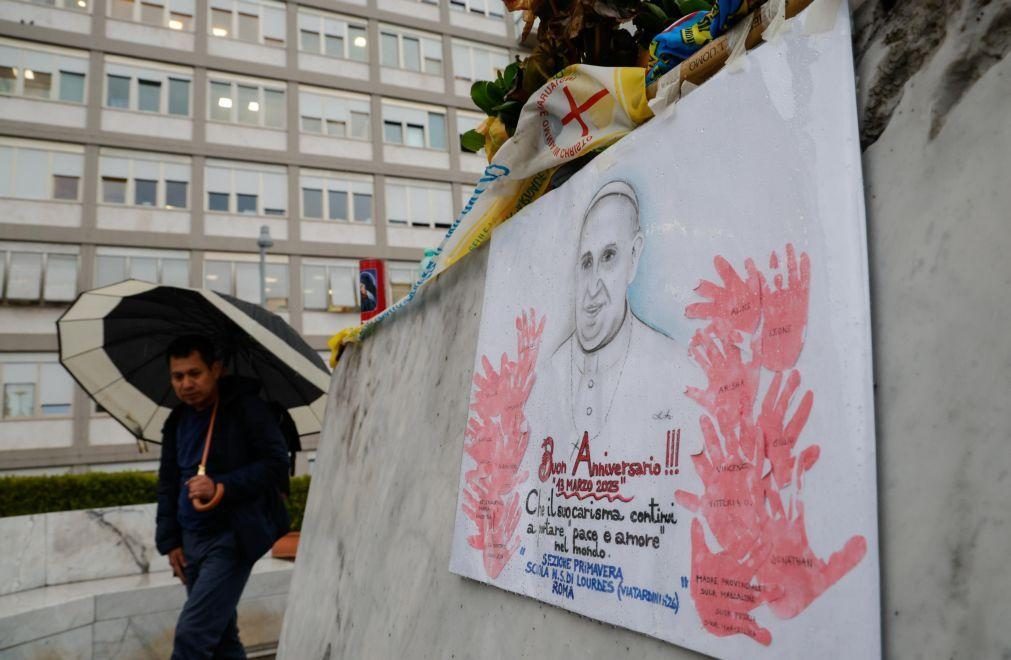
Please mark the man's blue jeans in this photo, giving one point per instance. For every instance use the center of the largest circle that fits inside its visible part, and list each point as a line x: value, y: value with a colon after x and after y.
x: 216, y: 574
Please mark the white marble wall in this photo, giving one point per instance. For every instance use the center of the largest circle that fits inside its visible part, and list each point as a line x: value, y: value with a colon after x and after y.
x: 90, y: 584
x: 939, y: 212
x: 373, y: 581
x: 71, y: 546
x: 99, y: 543
x: 22, y: 553
x: 131, y: 617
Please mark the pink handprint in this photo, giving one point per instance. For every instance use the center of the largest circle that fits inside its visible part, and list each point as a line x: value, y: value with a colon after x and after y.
x: 496, y: 531
x: 781, y: 436
x: 496, y: 439
x: 738, y: 301
x: 784, y: 312
x: 760, y: 539
x: 733, y: 499
x: 715, y: 575
x: 731, y: 383
x: 799, y: 575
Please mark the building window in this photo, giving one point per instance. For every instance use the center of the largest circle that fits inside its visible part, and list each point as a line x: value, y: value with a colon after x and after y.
x: 35, y: 386
x: 118, y: 94
x: 332, y: 35
x: 401, y: 277
x: 145, y: 192
x: 253, y: 191
x: 312, y: 125
x: 360, y: 125
x: 337, y: 203
x: 241, y: 278
x: 8, y: 80
x: 40, y: 170
x: 37, y: 276
x: 134, y: 86
x: 151, y: 13
x: 179, y: 97
x: 247, y: 104
x: 19, y: 398
x: 217, y: 201
x: 419, y: 203
x: 114, y: 265
x: 144, y: 179
x: 71, y: 87
x: 61, y: 277
x: 490, y: 8
x: 65, y: 187
x: 113, y: 190
x: 245, y: 203
x: 410, y: 51
x: 334, y: 115
x: 254, y: 21
x: 362, y: 207
x: 309, y: 41
x: 180, y: 21
x: 176, y: 196
x: 336, y: 196
x: 38, y: 84
x: 75, y: 5
x: 173, y: 14
x: 149, y: 95
x: 330, y: 286
x: 358, y: 44
x: 472, y: 61
x: 413, y: 126
x: 312, y: 203
x: 42, y: 73
x: 393, y: 132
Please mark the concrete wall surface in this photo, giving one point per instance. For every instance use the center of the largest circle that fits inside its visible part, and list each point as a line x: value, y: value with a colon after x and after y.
x: 935, y: 98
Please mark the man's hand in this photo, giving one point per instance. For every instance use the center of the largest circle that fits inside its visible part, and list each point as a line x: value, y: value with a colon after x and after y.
x: 178, y: 562
x: 201, y: 487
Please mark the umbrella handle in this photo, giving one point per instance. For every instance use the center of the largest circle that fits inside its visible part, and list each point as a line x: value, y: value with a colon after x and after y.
x: 219, y: 490
x: 201, y: 506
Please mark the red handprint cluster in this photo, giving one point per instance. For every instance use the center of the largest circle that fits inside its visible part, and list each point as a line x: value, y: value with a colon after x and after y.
x: 757, y: 518
x: 496, y: 439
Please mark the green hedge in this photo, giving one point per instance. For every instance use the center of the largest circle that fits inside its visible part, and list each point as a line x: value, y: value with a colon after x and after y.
x: 296, y: 501
x: 22, y: 496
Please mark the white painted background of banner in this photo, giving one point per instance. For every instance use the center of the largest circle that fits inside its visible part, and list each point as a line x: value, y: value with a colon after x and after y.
x: 755, y: 159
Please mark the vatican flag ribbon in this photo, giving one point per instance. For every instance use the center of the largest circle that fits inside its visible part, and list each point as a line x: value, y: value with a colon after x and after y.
x: 582, y: 109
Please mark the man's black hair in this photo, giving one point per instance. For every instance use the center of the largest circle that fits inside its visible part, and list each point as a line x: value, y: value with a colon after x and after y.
x: 181, y: 347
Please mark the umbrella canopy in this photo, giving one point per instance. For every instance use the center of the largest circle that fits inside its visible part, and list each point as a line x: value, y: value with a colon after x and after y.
x: 113, y: 342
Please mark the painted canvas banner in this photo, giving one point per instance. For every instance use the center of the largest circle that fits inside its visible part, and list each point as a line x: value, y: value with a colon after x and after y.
x: 671, y: 424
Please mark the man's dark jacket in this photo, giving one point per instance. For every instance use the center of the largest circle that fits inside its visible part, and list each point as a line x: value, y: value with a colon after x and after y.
x: 248, y: 457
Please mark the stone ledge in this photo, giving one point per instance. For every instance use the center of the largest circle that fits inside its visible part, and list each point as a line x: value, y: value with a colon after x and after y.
x: 114, y: 604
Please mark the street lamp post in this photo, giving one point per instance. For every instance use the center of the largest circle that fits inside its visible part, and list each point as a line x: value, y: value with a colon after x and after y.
x: 264, y: 241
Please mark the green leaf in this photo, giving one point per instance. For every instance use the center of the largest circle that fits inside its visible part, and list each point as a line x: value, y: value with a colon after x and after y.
x: 508, y: 106
x: 471, y: 141
x: 486, y: 95
x: 509, y: 75
x: 688, y: 6
x: 657, y: 12
x: 670, y: 7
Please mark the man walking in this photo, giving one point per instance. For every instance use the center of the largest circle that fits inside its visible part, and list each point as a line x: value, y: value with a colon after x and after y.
x: 213, y: 551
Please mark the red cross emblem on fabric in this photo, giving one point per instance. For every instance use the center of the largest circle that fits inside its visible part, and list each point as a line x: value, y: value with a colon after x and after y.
x: 576, y: 112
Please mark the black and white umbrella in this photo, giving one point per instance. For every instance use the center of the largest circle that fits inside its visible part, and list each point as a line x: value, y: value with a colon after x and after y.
x: 113, y: 342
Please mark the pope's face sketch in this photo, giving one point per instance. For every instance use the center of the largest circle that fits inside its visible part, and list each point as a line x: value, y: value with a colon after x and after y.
x: 610, y: 245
